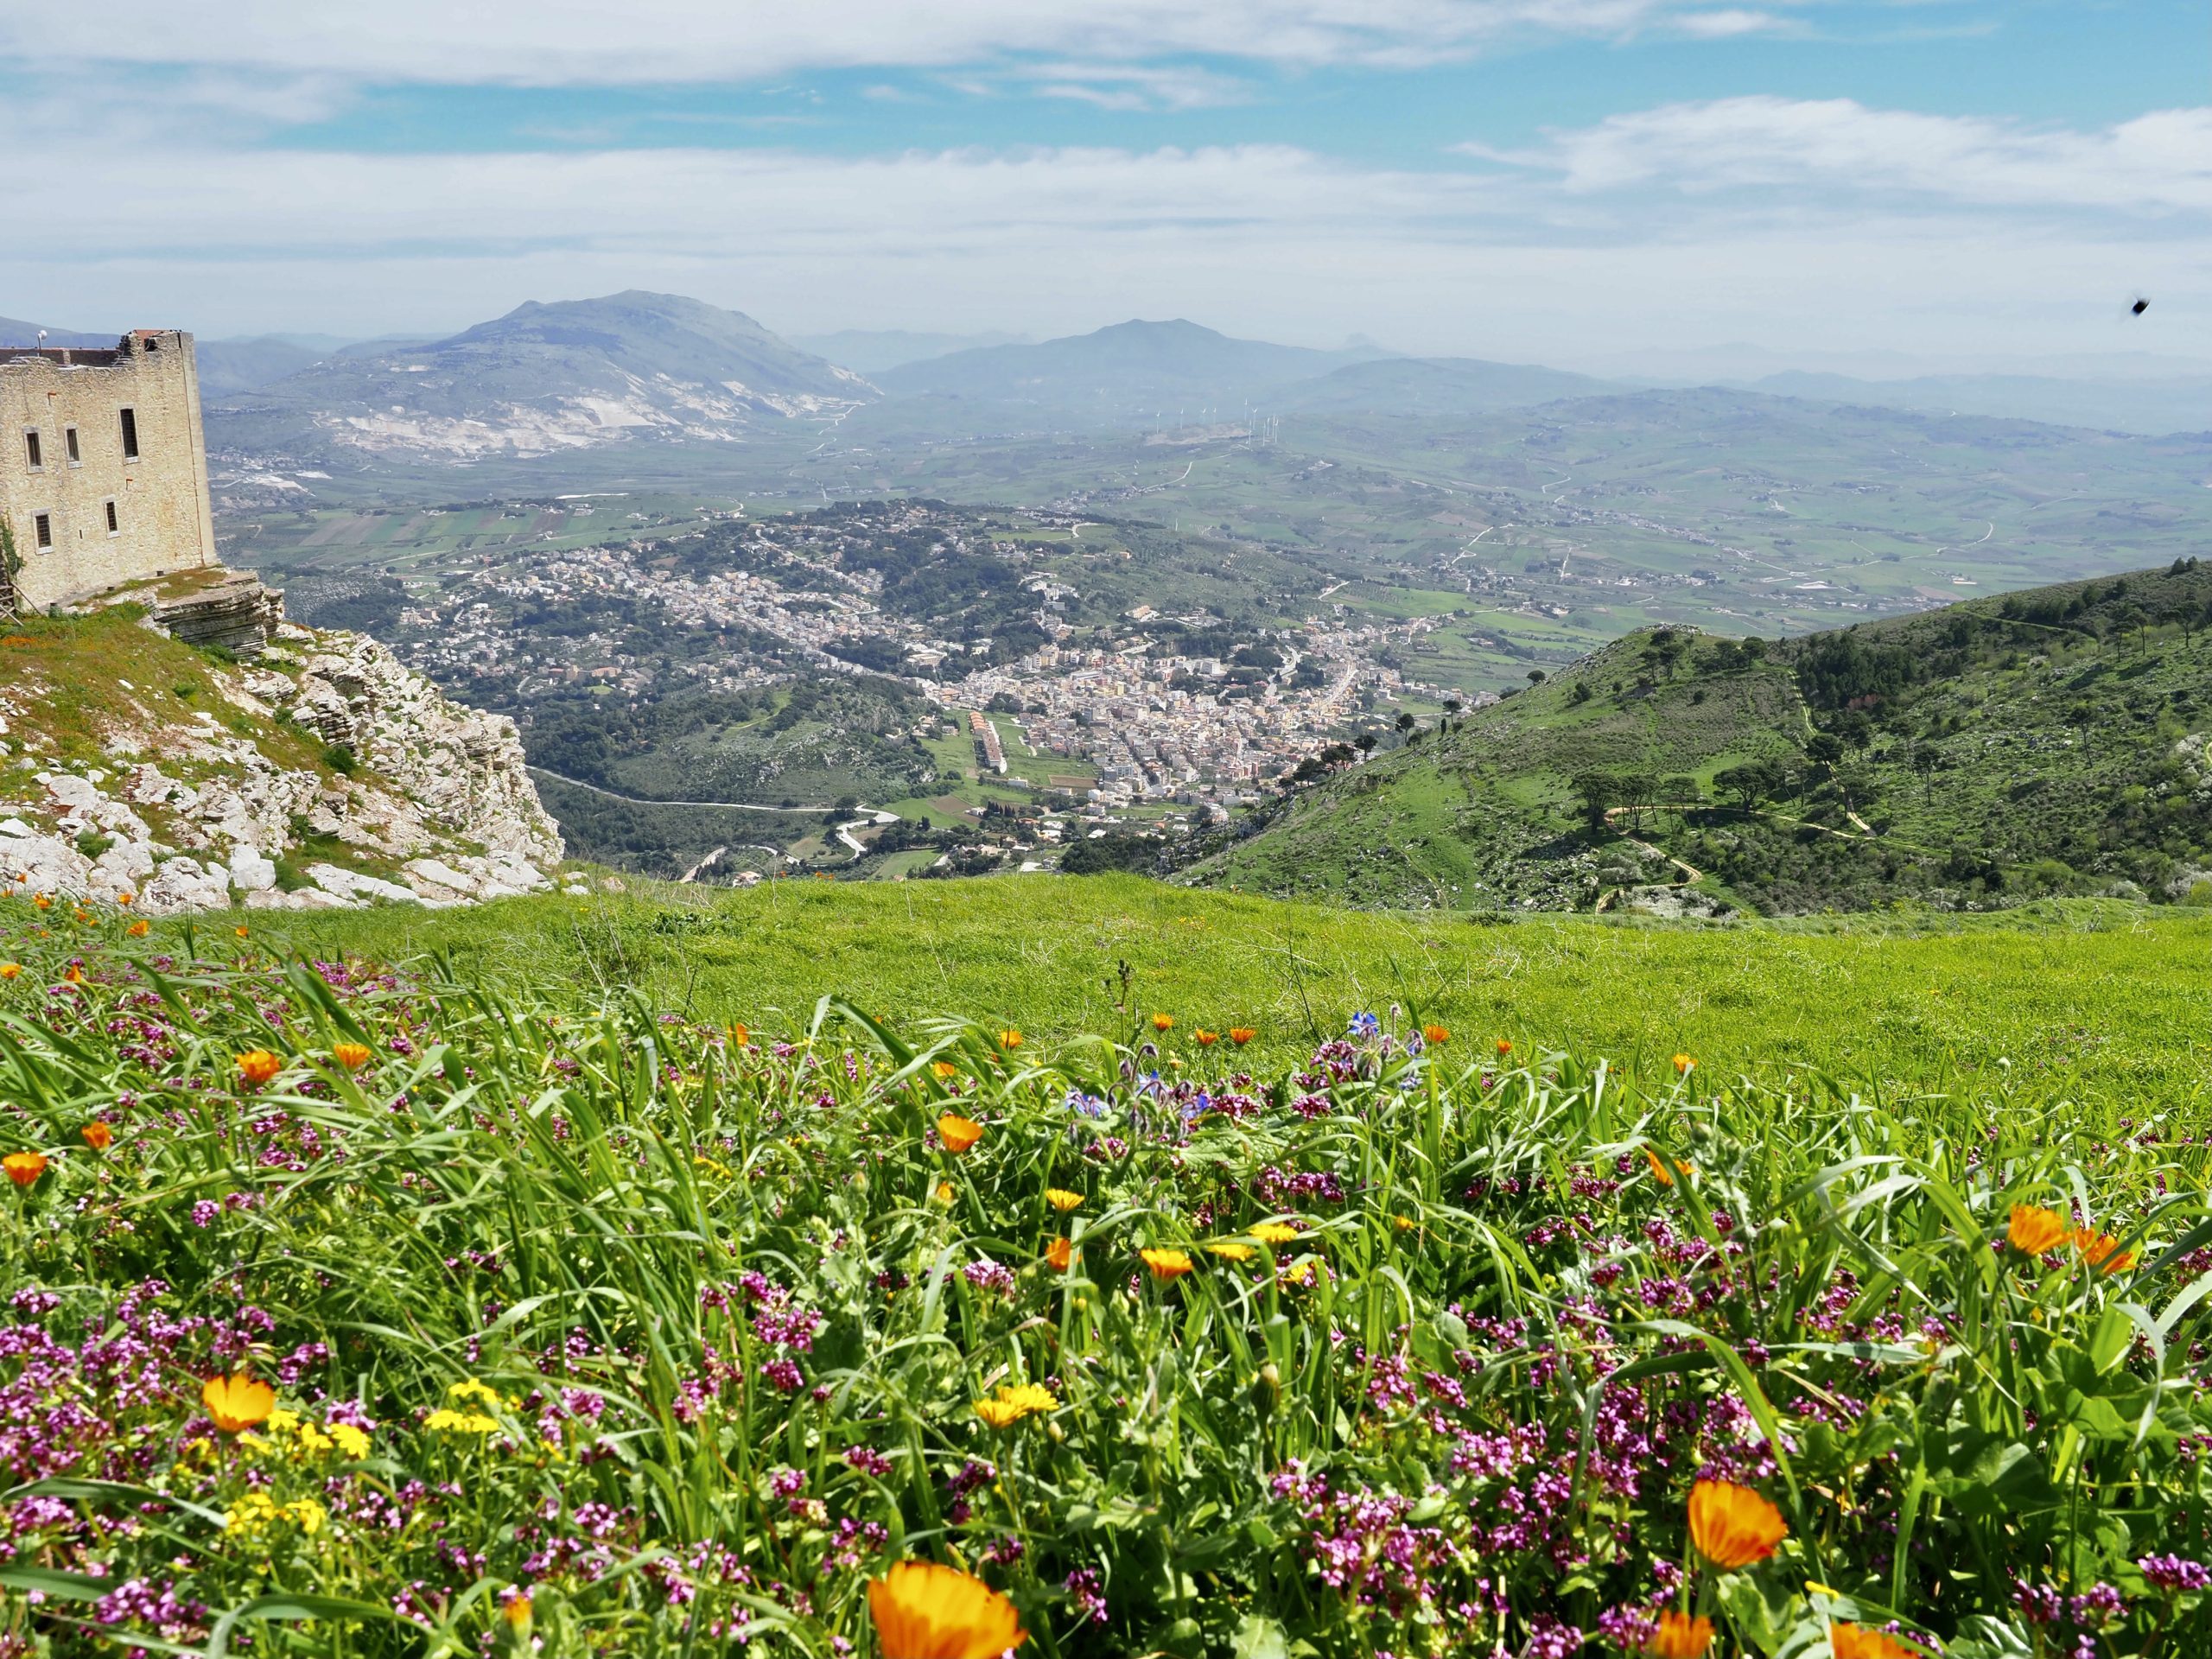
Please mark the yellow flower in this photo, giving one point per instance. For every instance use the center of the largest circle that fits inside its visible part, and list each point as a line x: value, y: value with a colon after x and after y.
x: 353, y: 1442
x: 739, y: 1036
x: 470, y: 1389
x: 1013, y: 1401
x: 922, y: 1611
x: 1009, y: 1037
x: 516, y: 1613
x: 2032, y: 1229
x: 10, y: 969
x: 240, y: 930
x: 1059, y: 1254
x: 1682, y: 1064
x: 1733, y: 1526
x: 958, y: 1133
x: 944, y: 1068
x: 24, y: 1168
x: 999, y: 1413
x: 1240, y: 1035
x: 1062, y: 1200
x: 352, y: 1056
x: 1403, y: 1224
x: 257, y: 1066
x: 308, y: 1514
x: 1206, y: 1038
x: 98, y: 1136
x: 1680, y: 1636
x: 1163, y: 1022
x: 139, y: 929
x: 1233, y: 1252
x: 237, y: 1402
x: 460, y: 1422
x: 944, y: 1192
x: 1504, y: 1048
x: 1665, y: 1169
x: 1857, y: 1642
x: 1276, y: 1232
x: 1166, y: 1265
x: 1436, y: 1036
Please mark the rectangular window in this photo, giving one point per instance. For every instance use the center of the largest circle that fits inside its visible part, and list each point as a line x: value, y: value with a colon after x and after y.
x: 114, y: 527
x: 42, y: 528
x: 131, y: 435
x: 31, y: 450
x: 69, y: 444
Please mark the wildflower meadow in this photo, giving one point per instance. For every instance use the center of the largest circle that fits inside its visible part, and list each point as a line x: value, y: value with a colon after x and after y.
x: 356, y: 1308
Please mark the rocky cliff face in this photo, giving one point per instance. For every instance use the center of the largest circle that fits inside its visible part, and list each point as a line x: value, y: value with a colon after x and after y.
x: 323, y: 775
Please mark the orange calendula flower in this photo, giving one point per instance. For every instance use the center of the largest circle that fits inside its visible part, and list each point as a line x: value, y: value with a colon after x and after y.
x: 237, y: 1402
x: 1665, y: 1168
x: 1857, y: 1642
x: 1009, y: 1037
x: 1058, y: 1255
x: 258, y: 1066
x: 43, y: 902
x: 98, y: 1136
x: 1062, y: 1200
x: 352, y: 1056
x: 73, y: 974
x: 1680, y: 1636
x: 1167, y: 1264
x: 1733, y: 1526
x: 922, y: 1611
x: 24, y: 1168
x: 240, y: 930
x: 739, y: 1036
x: 139, y: 929
x: 1504, y: 1048
x: 10, y: 969
x: 2033, y: 1230
x: 958, y: 1133
x: 1682, y: 1064
x: 1163, y: 1022
x: 2102, y: 1251
x: 1240, y: 1035
x: 944, y: 1068
x: 1206, y: 1038
x: 944, y: 1191
x: 1436, y: 1036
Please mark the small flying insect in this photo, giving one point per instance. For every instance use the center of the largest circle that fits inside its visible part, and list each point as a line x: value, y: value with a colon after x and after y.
x: 2139, y: 307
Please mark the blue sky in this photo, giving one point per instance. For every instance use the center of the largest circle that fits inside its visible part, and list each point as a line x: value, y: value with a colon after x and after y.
x: 1572, y: 180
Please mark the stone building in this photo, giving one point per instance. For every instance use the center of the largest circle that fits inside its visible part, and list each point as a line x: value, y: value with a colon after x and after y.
x: 103, y: 466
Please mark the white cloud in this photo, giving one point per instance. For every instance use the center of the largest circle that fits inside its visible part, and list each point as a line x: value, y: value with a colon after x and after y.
x: 1727, y: 23
x: 581, y: 42
x: 2157, y: 163
x: 1675, y: 225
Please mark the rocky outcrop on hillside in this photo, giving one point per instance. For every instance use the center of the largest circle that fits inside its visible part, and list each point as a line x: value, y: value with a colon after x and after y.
x: 335, y: 777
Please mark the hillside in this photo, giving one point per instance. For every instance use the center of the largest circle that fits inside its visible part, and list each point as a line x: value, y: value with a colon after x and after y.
x: 544, y: 379
x: 2046, y: 742
x: 139, y: 771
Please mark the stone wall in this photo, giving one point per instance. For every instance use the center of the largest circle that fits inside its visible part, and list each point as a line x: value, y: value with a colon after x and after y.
x: 161, y: 519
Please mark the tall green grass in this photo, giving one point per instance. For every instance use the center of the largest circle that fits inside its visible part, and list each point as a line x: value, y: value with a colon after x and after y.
x: 673, y: 1336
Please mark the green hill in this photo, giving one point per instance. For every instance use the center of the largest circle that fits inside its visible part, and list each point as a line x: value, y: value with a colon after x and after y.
x: 2040, y: 743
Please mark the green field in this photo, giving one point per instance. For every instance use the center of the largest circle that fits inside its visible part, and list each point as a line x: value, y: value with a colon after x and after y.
x: 2107, y: 996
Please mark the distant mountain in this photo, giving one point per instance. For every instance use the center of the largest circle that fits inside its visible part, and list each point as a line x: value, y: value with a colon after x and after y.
x: 2052, y: 741
x: 1129, y: 369
x: 15, y: 333
x: 2182, y: 404
x: 872, y: 350
x: 1441, y: 386
x: 228, y: 366
x: 542, y: 379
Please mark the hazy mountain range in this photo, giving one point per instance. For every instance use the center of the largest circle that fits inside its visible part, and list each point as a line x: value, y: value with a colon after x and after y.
x: 551, y: 379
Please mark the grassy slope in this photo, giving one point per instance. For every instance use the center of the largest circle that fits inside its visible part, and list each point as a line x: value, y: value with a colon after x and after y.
x: 2105, y: 994
x: 2048, y: 744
